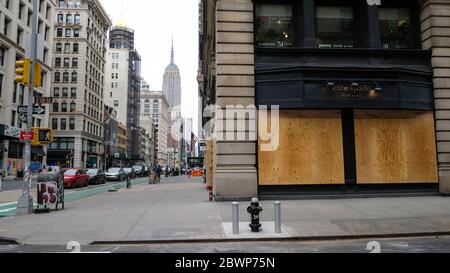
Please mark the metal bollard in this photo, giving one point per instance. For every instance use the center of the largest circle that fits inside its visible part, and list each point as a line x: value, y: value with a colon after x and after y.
x: 235, y: 218
x: 277, y: 205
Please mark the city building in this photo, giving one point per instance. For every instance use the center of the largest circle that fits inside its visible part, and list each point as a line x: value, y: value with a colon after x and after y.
x: 78, y: 84
x: 15, y: 34
x: 155, y: 117
x: 123, y: 82
x: 147, y: 147
x: 172, y: 83
x: 354, y: 88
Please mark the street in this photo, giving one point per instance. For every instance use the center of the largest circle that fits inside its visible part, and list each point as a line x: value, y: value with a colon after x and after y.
x: 392, y: 245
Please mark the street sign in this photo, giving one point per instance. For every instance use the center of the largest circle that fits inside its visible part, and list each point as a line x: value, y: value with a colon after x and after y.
x: 43, y: 100
x: 37, y: 110
x: 35, y: 166
x: 23, y: 118
x: 26, y: 136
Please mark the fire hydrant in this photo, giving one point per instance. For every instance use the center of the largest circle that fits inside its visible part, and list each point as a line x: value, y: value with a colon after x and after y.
x: 254, y: 211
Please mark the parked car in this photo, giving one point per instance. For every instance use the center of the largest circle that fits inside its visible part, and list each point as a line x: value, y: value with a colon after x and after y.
x: 140, y: 170
x: 74, y: 178
x: 115, y: 174
x: 130, y: 172
x: 96, y: 176
x: 196, y: 172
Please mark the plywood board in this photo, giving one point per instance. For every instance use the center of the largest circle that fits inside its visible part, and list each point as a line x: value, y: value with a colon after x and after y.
x: 310, y: 150
x: 395, y: 147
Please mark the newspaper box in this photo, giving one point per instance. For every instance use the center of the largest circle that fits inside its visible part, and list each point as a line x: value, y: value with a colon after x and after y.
x: 50, y: 192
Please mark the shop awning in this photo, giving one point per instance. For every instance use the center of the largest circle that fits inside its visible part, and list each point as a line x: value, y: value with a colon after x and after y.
x: 38, y: 150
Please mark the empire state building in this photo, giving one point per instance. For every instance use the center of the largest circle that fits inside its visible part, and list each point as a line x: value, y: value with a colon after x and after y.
x: 172, y: 83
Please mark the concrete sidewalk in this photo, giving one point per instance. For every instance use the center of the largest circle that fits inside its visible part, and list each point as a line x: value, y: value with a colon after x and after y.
x: 179, y: 210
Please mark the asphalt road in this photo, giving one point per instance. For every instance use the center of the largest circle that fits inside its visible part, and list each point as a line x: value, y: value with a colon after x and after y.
x: 396, y: 245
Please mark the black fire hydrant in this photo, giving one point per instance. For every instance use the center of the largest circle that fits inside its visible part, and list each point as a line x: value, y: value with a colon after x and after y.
x: 254, y: 211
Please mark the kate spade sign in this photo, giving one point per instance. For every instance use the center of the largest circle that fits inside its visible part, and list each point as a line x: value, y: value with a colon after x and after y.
x: 353, y: 90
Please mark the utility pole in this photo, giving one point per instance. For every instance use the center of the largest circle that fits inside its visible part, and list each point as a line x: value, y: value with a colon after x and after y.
x: 25, y: 202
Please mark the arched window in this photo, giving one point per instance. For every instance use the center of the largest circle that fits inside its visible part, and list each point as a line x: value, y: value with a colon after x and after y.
x: 147, y: 107
x: 156, y: 106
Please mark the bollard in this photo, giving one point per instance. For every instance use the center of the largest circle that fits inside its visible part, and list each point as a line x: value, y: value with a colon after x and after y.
x: 277, y: 205
x: 1, y: 180
x: 235, y: 213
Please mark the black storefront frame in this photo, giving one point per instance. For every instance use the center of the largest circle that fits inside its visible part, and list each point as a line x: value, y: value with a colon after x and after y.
x: 367, y: 38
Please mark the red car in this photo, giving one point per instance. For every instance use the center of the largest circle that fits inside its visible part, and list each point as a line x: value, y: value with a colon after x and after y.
x: 74, y: 178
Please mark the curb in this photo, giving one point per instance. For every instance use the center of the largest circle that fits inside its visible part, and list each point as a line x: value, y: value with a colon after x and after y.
x: 274, y: 239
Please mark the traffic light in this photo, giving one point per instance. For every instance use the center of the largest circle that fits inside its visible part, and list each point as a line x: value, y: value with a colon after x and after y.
x: 23, y: 71
x: 42, y: 136
x: 37, y: 75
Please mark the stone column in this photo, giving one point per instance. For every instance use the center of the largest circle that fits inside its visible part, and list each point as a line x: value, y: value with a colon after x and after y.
x: 435, y: 19
x: 235, y: 174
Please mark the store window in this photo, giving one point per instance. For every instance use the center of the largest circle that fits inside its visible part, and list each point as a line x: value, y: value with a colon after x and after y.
x: 274, y: 26
x: 395, y: 28
x: 335, y: 27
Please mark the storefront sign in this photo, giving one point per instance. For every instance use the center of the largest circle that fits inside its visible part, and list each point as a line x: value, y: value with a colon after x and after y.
x: 354, y: 90
x: 11, y: 131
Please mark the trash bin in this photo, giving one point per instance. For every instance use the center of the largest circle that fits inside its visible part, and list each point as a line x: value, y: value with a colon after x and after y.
x: 50, y: 191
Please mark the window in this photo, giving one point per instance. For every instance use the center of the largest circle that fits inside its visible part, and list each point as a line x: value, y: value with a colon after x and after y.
x: 60, y: 18
x: 156, y: 107
x: 63, y: 124
x: 69, y: 18
x: 77, y: 18
x: 75, y: 48
x: 66, y: 62
x: 65, y: 92
x: 1, y: 86
x: 66, y: 77
x: 76, y: 33
x: 72, y: 124
x: 64, y: 107
x: 57, y: 62
x: 75, y: 63
x: 55, y: 107
x: 55, y: 124
x: 56, y: 92
x: 274, y: 26
x: 335, y: 27
x: 395, y: 28
x: 116, y: 103
x: 59, y: 32
x: 58, y: 48
x: 74, y: 77
x: 73, y: 93
x: 68, y: 32
x: 13, y: 118
x: 147, y: 107
x: 73, y: 107
x: 67, y: 48
x: 2, y: 56
x: 57, y: 77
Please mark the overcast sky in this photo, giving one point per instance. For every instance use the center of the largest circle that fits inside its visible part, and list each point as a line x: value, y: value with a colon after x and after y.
x: 154, y: 22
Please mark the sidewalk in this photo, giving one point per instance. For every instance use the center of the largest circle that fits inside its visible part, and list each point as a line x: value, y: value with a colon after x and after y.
x: 176, y: 210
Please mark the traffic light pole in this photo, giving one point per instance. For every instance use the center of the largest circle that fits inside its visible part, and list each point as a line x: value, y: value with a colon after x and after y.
x: 25, y: 202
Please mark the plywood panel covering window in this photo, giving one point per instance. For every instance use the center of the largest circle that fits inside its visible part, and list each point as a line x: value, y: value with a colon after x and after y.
x: 310, y: 150
x: 395, y: 147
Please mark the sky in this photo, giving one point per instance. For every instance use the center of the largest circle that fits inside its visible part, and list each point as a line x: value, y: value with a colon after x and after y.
x: 154, y: 22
